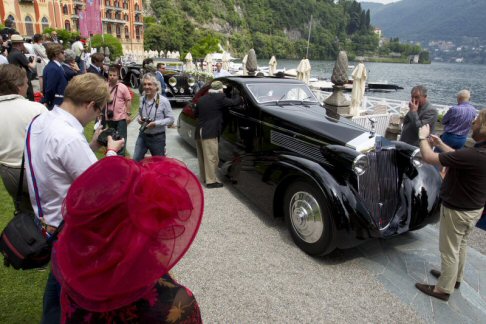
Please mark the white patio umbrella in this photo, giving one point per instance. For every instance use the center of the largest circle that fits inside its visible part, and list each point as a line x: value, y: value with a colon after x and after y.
x: 225, y: 59
x: 188, y: 66
x: 209, y: 63
x: 272, y: 65
x: 359, y: 80
x: 304, y: 70
x: 243, y: 63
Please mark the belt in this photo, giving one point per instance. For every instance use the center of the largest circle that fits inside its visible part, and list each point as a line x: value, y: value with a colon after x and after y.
x: 152, y: 135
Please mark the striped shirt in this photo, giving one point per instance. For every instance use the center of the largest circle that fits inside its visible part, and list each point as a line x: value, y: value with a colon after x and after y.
x: 458, y: 119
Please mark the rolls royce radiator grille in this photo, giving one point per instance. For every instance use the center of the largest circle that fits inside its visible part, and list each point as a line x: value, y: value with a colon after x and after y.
x: 379, y: 185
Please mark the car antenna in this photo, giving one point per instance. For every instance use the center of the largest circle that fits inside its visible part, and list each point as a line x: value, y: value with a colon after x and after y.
x: 281, y: 98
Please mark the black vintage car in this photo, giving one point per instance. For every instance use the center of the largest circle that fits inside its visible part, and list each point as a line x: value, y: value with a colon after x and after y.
x: 335, y: 183
x: 181, y: 86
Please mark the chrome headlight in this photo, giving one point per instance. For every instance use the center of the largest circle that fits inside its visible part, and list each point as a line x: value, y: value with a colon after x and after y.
x: 176, y: 90
x: 172, y: 81
x: 360, y: 164
x: 416, y: 158
x: 191, y: 82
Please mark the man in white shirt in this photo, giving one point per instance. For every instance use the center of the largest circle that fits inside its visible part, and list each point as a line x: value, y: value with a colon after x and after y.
x: 78, y: 49
x: 58, y: 153
x: 220, y: 72
x: 16, y: 112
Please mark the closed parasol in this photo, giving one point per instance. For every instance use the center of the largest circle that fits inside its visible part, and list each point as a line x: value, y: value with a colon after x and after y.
x: 304, y: 70
x: 188, y: 66
x: 272, y: 65
x: 208, y: 67
x: 243, y: 63
x: 357, y: 94
x: 225, y: 61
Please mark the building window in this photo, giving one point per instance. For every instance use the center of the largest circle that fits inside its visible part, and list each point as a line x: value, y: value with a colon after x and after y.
x: 125, y: 4
x: 137, y: 8
x: 65, y: 9
x: 127, y: 33
x: 44, y: 23
x: 107, y: 3
x: 118, y: 31
x: 108, y: 15
x: 126, y: 17
x: 137, y: 32
x: 67, y: 25
x: 29, y: 26
x: 108, y: 29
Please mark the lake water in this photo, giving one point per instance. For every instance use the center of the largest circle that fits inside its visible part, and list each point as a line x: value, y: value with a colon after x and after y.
x: 443, y: 80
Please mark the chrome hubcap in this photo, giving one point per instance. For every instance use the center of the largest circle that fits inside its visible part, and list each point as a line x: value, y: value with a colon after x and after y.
x: 306, y: 217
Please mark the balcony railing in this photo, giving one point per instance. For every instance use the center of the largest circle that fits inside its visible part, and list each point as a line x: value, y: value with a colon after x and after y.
x: 78, y: 3
x: 116, y: 21
x: 26, y: 1
x: 74, y: 16
x: 139, y: 23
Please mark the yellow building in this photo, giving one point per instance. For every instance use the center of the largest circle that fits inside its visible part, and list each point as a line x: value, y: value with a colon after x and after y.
x: 120, y: 18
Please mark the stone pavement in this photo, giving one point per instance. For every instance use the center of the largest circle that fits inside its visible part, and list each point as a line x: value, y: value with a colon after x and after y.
x: 394, y: 264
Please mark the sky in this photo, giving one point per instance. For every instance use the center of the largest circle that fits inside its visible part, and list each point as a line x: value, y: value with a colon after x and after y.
x: 379, y: 1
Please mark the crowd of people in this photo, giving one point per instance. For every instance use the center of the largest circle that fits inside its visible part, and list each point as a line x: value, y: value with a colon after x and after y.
x: 156, y: 204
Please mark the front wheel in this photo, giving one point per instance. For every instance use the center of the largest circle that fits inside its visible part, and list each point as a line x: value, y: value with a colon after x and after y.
x: 308, y: 218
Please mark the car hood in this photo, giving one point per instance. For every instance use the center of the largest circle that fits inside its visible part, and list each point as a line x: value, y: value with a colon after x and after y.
x: 313, y: 120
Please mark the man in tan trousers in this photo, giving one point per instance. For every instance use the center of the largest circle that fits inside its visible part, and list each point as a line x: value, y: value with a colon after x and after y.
x: 463, y: 195
x: 209, y: 111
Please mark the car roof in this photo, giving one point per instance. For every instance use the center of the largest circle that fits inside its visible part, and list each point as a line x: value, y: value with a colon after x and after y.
x: 266, y: 79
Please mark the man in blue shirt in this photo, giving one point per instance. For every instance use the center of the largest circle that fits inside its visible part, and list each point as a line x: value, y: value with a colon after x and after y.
x: 457, y: 121
x: 159, y: 75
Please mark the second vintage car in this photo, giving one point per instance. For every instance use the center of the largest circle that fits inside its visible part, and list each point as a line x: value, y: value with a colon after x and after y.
x: 335, y: 183
x: 181, y: 85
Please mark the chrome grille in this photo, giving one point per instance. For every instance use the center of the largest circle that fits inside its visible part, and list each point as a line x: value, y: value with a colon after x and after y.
x: 296, y: 145
x: 379, y: 186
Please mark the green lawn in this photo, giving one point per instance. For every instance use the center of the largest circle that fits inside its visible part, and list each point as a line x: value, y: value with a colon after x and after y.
x: 21, y: 291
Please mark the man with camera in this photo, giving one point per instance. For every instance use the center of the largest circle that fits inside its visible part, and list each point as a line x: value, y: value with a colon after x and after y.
x: 58, y: 153
x: 17, y: 57
x: 117, y: 111
x: 155, y: 113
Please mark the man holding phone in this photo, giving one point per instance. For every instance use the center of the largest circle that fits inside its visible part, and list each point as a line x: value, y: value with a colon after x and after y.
x: 421, y: 113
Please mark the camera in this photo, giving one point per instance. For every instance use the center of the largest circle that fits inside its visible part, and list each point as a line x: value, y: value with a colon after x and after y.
x: 145, y: 122
x: 103, y: 137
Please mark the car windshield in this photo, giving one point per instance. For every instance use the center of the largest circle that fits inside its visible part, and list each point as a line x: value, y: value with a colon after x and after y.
x: 277, y: 92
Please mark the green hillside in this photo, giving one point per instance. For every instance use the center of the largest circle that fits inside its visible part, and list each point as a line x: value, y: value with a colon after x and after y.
x: 272, y: 27
x: 430, y: 20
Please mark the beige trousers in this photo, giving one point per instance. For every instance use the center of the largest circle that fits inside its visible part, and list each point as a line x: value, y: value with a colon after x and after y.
x: 207, y: 155
x: 455, y: 227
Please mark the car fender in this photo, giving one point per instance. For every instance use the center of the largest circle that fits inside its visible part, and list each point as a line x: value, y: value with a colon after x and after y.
x: 346, y: 210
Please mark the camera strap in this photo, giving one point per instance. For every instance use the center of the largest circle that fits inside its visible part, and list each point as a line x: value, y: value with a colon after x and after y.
x: 113, y: 102
x: 156, y: 103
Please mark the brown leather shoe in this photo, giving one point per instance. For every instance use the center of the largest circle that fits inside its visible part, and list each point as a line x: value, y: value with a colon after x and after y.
x: 436, y: 273
x: 429, y: 290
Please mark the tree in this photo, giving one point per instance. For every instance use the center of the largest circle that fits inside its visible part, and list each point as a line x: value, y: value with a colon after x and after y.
x: 206, y: 45
x: 109, y: 41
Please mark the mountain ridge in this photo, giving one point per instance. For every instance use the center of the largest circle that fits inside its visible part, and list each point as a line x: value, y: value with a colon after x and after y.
x: 419, y: 20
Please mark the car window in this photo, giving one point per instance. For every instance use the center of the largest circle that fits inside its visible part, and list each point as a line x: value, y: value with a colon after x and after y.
x: 276, y: 92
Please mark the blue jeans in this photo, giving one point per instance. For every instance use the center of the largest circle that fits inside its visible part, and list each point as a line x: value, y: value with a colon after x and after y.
x: 51, y: 308
x: 453, y: 140
x: 146, y: 142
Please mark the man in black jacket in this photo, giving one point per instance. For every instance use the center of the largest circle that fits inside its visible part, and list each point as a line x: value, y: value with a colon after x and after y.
x: 209, y: 111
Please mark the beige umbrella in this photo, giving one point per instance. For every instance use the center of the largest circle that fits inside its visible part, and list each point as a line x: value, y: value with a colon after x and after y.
x: 304, y: 70
x: 272, y: 66
x: 357, y: 94
x: 225, y: 61
x: 188, y: 66
x: 243, y: 63
x: 209, y: 63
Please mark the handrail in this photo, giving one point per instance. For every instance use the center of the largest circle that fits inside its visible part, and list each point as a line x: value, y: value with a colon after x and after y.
x: 393, y: 106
